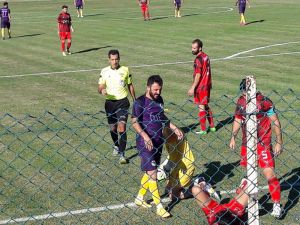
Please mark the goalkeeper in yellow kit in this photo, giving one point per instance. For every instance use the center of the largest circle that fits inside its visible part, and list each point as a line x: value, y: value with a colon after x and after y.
x: 179, y: 168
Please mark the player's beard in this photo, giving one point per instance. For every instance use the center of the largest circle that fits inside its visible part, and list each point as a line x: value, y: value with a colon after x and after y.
x: 153, y: 96
x: 195, y: 52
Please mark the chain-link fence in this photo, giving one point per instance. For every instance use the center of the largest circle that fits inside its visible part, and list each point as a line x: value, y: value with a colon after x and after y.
x: 58, y: 167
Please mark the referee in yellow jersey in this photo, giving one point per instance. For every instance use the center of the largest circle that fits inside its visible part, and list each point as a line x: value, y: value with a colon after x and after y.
x: 112, y: 84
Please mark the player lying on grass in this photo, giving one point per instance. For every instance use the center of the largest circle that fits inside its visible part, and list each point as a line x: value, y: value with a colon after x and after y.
x: 221, y: 214
x: 178, y: 168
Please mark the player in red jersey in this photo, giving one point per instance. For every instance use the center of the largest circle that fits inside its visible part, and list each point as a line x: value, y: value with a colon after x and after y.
x: 221, y: 214
x: 266, y: 116
x: 144, y: 7
x: 201, y: 86
x: 65, y: 28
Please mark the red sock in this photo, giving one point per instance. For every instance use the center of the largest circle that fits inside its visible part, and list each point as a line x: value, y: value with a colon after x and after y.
x: 274, y: 188
x: 209, y: 211
x: 69, y: 45
x: 62, y: 46
x: 210, y: 117
x: 202, y: 120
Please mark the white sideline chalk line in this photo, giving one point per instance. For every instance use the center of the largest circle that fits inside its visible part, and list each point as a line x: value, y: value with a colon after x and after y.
x: 99, y: 209
x: 148, y: 65
x: 263, y: 47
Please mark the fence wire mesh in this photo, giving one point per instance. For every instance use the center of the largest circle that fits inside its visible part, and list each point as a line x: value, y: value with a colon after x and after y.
x: 58, y: 167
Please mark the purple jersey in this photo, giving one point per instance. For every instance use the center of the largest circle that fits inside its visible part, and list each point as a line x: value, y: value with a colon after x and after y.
x: 4, y: 14
x: 79, y: 2
x: 242, y: 2
x: 151, y: 117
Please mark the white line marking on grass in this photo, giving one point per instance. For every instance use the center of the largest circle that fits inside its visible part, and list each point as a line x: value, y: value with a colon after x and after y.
x: 263, y: 47
x: 145, y: 65
x: 99, y: 209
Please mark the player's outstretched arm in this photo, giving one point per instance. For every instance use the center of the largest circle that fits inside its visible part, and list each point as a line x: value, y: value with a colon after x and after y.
x: 277, y: 130
x: 235, y: 130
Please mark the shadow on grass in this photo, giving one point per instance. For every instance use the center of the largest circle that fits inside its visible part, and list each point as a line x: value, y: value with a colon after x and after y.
x: 96, y: 14
x: 189, y: 128
x: 27, y: 35
x: 91, y: 49
x: 225, y: 122
x: 216, y: 172
x: 256, y: 21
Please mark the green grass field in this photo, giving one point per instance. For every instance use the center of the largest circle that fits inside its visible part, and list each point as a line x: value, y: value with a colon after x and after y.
x: 55, y: 149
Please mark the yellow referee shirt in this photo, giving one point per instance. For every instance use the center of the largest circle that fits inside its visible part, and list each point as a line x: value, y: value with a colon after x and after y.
x: 115, y: 81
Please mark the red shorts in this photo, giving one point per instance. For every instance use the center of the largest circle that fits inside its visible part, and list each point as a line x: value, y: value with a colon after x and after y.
x: 144, y: 7
x: 65, y: 35
x: 201, y: 97
x: 264, y: 156
x: 214, y: 209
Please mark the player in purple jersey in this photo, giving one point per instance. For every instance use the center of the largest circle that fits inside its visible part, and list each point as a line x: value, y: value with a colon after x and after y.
x: 177, y: 5
x: 242, y: 8
x: 79, y: 7
x: 5, y: 20
x: 148, y: 120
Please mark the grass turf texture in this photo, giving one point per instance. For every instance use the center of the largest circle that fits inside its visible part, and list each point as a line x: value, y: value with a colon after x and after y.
x: 66, y: 164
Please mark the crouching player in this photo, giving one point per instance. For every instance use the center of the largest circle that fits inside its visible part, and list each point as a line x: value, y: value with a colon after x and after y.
x: 178, y: 168
x: 221, y: 214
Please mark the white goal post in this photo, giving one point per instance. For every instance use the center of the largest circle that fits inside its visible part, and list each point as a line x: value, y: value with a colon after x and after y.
x: 251, y: 125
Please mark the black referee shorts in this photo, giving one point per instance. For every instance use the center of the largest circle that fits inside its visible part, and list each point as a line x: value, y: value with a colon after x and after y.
x: 117, y: 110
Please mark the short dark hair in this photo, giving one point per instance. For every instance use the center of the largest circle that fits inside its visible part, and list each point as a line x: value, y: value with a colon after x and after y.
x: 243, y: 85
x: 5, y: 3
x: 199, y: 43
x: 113, y: 52
x: 154, y: 79
x: 64, y: 7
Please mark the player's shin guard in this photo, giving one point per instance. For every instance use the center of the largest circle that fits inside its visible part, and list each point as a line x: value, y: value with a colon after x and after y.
x: 243, y: 19
x: 154, y: 191
x: 2, y: 32
x: 122, y: 142
x: 274, y: 188
x: 62, y: 46
x: 69, y: 45
x: 144, y: 186
x: 114, y: 137
x: 202, y: 119
x: 210, y: 117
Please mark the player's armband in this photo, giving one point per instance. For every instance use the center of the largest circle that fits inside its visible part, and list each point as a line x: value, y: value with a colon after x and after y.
x: 271, y: 112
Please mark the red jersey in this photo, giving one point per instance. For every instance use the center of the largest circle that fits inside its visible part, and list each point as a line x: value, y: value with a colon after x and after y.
x: 64, y: 20
x: 202, y: 66
x: 264, y: 131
